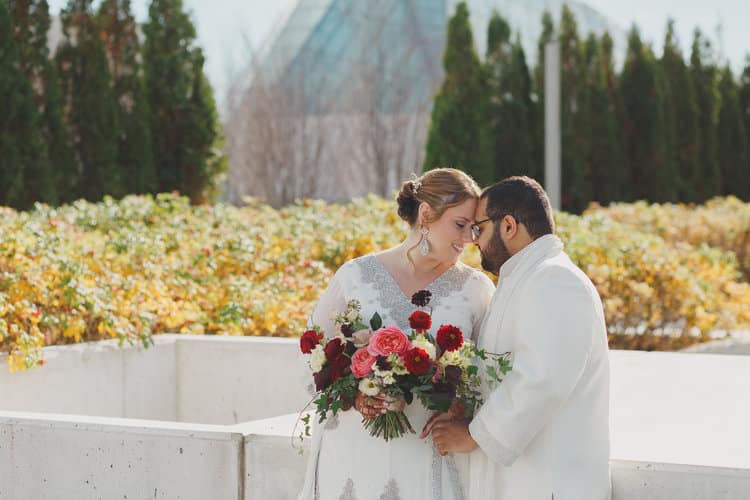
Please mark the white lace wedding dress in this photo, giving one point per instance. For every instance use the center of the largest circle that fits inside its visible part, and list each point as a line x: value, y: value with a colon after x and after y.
x: 345, y: 461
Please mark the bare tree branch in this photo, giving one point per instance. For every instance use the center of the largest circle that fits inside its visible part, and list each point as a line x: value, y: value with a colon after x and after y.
x: 315, y: 132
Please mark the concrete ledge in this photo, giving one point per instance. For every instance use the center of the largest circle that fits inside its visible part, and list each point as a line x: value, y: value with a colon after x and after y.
x: 738, y: 343
x: 68, y: 457
x: 270, y: 446
x: 97, y: 378
x: 677, y: 408
x: 679, y: 423
x: 228, y: 380
x: 185, y: 378
x: 656, y: 481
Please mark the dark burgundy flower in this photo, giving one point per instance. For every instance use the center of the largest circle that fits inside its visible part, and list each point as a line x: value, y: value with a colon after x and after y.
x: 309, y: 340
x: 453, y: 374
x: 420, y: 321
x: 383, y: 364
x: 323, y: 378
x: 347, y: 330
x: 350, y: 349
x: 443, y: 390
x: 333, y: 349
x: 449, y: 338
x: 421, y: 298
x: 340, y: 366
x: 417, y: 361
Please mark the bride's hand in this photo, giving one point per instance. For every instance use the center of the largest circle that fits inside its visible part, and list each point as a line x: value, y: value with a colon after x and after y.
x: 371, y: 406
x: 394, y: 404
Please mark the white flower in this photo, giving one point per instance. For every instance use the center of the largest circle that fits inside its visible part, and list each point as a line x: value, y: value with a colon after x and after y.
x: 317, y: 358
x: 454, y: 358
x: 425, y: 345
x: 352, y: 316
x: 385, y: 375
x: 397, y: 364
x: 369, y: 387
x: 400, y: 370
x: 354, y: 304
x: 387, y: 378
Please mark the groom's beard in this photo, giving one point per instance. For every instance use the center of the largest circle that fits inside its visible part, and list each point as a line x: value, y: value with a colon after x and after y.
x: 495, y: 255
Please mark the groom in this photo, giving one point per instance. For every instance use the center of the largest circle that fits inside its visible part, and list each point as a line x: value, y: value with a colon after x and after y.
x: 544, y: 431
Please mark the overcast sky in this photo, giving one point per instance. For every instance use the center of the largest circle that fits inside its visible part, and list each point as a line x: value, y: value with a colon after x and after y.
x: 229, y: 30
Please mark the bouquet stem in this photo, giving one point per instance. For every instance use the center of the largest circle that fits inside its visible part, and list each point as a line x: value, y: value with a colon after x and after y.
x: 390, y: 425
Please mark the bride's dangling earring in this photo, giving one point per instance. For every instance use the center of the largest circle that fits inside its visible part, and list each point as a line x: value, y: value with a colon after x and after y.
x: 424, y: 246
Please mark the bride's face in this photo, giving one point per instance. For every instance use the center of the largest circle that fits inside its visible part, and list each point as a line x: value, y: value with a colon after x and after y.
x: 450, y: 234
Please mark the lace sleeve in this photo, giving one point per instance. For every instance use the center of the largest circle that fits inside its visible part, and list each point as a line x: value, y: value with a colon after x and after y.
x: 331, y: 301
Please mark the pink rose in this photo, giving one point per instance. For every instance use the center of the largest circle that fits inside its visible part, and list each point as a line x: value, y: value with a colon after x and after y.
x: 387, y: 340
x: 362, y: 362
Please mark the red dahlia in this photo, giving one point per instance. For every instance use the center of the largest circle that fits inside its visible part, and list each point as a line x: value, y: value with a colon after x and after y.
x: 417, y: 361
x: 309, y: 340
x: 420, y: 321
x: 449, y: 338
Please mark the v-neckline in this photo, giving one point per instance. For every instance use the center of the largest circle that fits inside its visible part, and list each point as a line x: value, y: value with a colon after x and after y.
x: 398, y: 287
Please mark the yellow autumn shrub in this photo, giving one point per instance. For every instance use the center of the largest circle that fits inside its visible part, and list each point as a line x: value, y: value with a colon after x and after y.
x: 656, y: 287
x: 721, y: 223
x: 129, y: 269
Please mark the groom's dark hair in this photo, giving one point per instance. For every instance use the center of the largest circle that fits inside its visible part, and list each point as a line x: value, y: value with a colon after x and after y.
x: 523, y: 199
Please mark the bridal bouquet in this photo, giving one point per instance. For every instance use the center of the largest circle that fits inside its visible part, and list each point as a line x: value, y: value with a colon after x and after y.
x: 374, y: 359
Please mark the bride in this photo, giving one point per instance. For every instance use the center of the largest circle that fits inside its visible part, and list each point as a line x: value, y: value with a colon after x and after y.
x: 345, y: 461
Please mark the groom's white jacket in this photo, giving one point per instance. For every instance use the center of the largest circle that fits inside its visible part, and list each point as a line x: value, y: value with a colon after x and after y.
x: 544, y: 430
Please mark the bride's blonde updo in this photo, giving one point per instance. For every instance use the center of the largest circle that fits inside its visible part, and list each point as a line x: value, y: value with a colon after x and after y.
x: 441, y: 189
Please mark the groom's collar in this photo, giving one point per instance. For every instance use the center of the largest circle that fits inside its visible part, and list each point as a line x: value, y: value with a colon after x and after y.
x: 539, y: 246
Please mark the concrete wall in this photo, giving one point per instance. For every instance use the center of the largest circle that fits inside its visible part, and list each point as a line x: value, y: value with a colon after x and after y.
x: 657, y: 481
x: 80, y: 458
x: 676, y: 408
x: 227, y: 380
x: 736, y: 343
x: 268, y: 447
x: 679, y: 423
x: 97, y: 378
x: 184, y: 378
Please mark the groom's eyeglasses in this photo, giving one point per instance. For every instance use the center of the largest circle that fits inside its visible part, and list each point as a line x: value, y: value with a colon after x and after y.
x: 476, y: 231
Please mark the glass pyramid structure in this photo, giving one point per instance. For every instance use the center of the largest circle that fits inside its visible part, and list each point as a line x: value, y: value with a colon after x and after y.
x: 337, y: 104
x: 326, y: 47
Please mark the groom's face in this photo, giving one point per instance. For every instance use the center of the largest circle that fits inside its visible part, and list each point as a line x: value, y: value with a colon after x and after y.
x: 491, y: 246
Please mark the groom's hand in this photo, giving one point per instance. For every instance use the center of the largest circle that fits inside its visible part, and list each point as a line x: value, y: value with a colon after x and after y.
x: 438, y: 417
x: 453, y: 437
x: 457, y: 411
